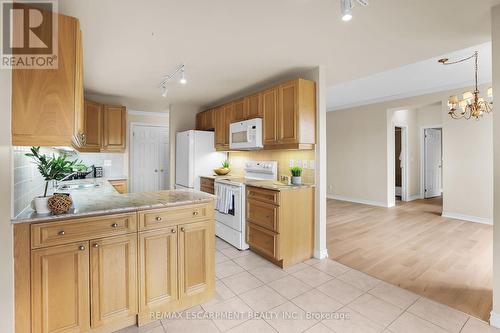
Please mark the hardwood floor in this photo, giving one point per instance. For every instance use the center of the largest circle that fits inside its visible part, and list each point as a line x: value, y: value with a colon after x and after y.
x: 412, y: 246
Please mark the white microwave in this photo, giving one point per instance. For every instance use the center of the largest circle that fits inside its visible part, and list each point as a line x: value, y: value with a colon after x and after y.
x: 246, y: 135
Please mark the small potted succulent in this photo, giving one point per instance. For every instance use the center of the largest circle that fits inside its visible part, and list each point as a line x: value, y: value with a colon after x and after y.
x: 224, y: 170
x: 51, y: 168
x: 296, y: 175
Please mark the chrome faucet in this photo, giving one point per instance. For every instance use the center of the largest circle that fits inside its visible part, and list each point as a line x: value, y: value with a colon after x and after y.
x: 64, y: 178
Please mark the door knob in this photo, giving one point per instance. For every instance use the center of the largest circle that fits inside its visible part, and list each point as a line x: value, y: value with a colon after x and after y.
x: 81, y: 248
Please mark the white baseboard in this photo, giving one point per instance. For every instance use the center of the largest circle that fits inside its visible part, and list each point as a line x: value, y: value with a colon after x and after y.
x: 361, y: 201
x: 321, y: 254
x: 469, y: 218
x: 414, y: 197
x: 494, y: 319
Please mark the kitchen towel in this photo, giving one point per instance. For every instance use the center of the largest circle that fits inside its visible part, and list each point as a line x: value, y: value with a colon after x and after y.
x: 225, y: 195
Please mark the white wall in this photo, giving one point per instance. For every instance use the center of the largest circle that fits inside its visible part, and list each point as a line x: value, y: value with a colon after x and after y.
x: 495, y: 313
x: 6, y: 244
x: 360, y: 155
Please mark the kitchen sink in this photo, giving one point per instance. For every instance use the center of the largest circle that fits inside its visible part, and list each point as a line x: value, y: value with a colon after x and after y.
x: 77, y: 186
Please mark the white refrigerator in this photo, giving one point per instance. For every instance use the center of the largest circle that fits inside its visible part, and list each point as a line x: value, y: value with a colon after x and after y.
x: 195, y: 156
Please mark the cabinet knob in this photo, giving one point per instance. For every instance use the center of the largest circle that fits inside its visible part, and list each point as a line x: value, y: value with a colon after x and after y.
x: 96, y: 245
x: 174, y: 231
x: 158, y: 218
x: 195, y: 213
x: 61, y: 233
x: 182, y: 229
x: 114, y: 225
x: 81, y: 248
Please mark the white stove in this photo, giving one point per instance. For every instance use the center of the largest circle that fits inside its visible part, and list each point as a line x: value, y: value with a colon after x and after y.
x: 230, y: 217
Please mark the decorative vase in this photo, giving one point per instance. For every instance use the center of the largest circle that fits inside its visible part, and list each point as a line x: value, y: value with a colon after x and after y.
x: 297, y: 180
x: 41, y: 205
x: 60, y: 203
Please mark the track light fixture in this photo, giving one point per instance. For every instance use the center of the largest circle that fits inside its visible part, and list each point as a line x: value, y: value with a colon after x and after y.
x: 167, y: 78
x: 346, y: 7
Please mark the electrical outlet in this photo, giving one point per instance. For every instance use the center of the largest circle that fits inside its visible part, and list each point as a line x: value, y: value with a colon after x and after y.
x: 304, y: 164
x: 299, y: 163
x: 312, y: 164
x: 292, y: 162
x: 107, y: 163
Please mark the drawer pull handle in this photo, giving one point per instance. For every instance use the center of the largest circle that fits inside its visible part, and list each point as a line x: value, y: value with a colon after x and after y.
x: 182, y: 229
x: 96, y: 245
x: 174, y: 231
x: 81, y: 248
x: 195, y: 213
x: 61, y: 233
x: 158, y: 218
x: 114, y: 225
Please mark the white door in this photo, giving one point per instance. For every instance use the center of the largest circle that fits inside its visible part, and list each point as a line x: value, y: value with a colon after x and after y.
x: 432, y: 162
x: 149, y: 158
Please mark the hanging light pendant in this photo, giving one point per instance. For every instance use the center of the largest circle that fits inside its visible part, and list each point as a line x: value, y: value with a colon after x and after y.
x: 471, y: 105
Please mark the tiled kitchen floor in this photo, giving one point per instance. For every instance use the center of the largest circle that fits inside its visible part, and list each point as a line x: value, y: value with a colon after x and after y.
x: 246, y: 283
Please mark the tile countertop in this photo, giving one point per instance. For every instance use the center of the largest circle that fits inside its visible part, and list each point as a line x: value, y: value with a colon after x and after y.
x: 267, y: 184
x: 104, y: 199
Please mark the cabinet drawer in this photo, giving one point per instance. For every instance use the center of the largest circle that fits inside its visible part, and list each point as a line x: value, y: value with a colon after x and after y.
x: 207, y: 189
x: 263, y: 240
x: 55, y: 233
x: 263, y: 214
x: 207, y: 182
x: 264, y: 195
x: 159, y: 218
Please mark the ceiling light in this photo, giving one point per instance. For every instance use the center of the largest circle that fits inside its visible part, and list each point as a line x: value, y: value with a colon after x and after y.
x: 164, y: 91
x: 471, y: 105
x: 183, y: 77
x: 346, y: 7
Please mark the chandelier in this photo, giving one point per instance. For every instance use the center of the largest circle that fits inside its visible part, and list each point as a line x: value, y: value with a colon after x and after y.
x: 470, y: 104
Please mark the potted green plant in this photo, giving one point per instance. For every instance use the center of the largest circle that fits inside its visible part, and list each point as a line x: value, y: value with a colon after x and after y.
x: 224, y: 170
x: 296, y: 175
x: 51, y: 168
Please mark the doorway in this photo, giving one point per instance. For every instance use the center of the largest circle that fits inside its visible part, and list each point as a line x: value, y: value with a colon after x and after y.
x: 400, y: 167
x: 432, y: 162
x: 149, y: 157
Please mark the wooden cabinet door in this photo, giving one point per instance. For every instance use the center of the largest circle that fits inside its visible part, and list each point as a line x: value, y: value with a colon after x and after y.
x: 239, y: 111
x: 287, y: 112
x: 253, y: 106
x: 270, y: 116
x: 60, y: 289
x: 209, y: 120
x: 93, y: 127
x: 200, y: 121
x: 113, y: 279
x: 220, y: 126
x: 228, y: 119
x: 158, y: 270
x: 196, y: 260
x: 114, y: 128
x: 79, y: 136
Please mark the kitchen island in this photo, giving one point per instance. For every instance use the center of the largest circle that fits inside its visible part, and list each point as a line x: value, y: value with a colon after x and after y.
x: 114, y: 260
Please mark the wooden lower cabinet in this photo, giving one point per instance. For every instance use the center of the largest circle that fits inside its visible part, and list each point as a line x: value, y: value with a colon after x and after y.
x: 96, y: 281
x: 60, y: 289
x: 120, y: 185
x: 113, y: 280
x: 158, y: 271
x: 280, y: 224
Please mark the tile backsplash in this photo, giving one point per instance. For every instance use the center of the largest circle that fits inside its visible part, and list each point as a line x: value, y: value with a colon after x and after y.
x: 28, y: 183
x: 301, y: 158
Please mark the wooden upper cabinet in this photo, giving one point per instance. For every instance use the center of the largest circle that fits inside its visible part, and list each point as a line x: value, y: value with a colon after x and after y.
x: 205, y: 121
x: 79, y: 135
x: 47, y: 104
x: 253, y: 105
x: 113, y: 279
x: 92, y: 127
x: 239, y: 110
x: 158, y: 269
x: 196, y: 259
x: 60, y: 289
x: 288, y: 112
x: 114, y: 121
x: 220, y: 124
x: 270, y: 116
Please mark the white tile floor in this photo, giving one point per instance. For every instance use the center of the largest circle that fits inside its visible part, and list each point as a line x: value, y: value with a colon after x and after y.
x: 314, y: 297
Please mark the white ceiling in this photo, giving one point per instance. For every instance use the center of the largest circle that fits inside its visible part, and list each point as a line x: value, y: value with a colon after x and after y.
x: 412, y: 80
x: 230, y: 45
